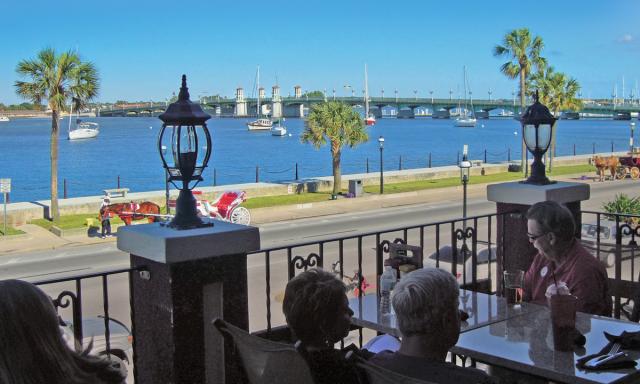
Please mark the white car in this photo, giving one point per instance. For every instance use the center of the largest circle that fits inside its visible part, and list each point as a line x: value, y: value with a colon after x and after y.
x: 93, y: 331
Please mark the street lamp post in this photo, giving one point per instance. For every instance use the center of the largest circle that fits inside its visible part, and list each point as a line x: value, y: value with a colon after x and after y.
x: 382, y: 91
x: 396, y: 92
x: 415, y: 94
x: 381, y: 143
x: 431, y: 94
x: 632, y: 125
x: 334, y: 94
x: 490, y: 95
x: 465, y: 167
x: 450, y: 94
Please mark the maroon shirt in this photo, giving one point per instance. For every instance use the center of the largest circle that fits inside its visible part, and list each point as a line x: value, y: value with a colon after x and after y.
x: 585, y: 276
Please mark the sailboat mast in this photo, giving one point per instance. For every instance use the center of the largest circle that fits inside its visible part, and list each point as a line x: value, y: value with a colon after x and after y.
x: 70, y: 113
x: 366, y: 93
x: 464, y: 75
x: 258, y: 91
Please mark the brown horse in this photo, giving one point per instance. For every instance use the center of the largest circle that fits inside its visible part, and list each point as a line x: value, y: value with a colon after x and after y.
x: 603, y: 164
x: 133, y: 211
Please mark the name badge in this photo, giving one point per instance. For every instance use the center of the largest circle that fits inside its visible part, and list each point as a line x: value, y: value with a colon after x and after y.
x: 543, y: 271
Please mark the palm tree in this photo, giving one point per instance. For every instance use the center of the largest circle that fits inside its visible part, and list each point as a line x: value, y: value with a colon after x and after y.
x: 339, y: 124
x: 57, y: 79
x: 558, y: 92
x: 523, y: 52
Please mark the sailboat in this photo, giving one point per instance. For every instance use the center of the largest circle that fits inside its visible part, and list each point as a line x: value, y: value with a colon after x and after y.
x: 369, y: 118
x: 83, y: 129
x: 261, y: 124
x: 466, y: 120
x: 279, y: 130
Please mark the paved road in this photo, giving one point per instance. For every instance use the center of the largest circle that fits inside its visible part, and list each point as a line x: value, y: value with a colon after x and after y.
x: 93, y: 258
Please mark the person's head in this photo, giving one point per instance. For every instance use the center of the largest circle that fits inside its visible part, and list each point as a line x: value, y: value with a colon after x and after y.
x: 316, y: 308
x: 32, y: 349
x: 426, y: 304
x: 550, y: 227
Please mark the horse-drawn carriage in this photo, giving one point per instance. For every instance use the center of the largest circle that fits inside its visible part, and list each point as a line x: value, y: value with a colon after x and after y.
x: 628, y: 165
x: 619, y: 167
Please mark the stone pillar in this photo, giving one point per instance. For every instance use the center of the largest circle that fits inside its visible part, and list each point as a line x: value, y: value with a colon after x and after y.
x: 301, y: 110
x: 241, y: 103
x: 517, y: 198
x: 190, y: 278
x: 297, y: 92
x: 276, y: 102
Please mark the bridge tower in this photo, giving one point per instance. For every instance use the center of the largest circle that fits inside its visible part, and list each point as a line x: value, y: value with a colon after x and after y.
x: 276, y: 102
x: 297, y: 91
x: 241, y: 103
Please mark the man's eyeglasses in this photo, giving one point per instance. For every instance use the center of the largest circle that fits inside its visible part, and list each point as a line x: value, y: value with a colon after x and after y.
x: 535, y: 237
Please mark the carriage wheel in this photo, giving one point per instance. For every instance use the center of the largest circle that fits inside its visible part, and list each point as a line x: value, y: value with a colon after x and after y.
x: 240, y: 215
x: 621, y: 172
x: 635, y: 173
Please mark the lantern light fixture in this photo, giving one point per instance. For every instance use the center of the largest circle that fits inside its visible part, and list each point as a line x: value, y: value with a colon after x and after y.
x: 537, y: 128
x: 184, y: 155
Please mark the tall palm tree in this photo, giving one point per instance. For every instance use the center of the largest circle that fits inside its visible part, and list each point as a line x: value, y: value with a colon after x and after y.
x: 559, y: 93
x: 57, y: 79
x: 523, y: 51
x: 340, y: 125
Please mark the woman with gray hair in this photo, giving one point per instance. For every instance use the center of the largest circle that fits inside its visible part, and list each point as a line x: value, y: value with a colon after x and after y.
x: 426, y: 306
x: 551, y: 230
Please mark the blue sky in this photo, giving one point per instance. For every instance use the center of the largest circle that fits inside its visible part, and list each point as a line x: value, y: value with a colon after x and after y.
x: 142, y: 47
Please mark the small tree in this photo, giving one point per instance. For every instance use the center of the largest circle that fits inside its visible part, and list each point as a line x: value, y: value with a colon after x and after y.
x: 337, y: 123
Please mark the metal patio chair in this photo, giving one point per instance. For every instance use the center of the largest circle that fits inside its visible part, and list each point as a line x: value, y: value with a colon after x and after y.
x: 265, y: 361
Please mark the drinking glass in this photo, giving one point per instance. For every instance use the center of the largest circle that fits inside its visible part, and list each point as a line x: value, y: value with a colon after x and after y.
x: 513, y: 286
x: 563, y: 321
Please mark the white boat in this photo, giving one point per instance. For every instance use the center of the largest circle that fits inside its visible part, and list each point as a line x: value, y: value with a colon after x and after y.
x: 369, y: 118
x: 466, y: 120
x: 84, y: 130
x: 261, y: 124
x: 279, y: 130
x: 4, y: 118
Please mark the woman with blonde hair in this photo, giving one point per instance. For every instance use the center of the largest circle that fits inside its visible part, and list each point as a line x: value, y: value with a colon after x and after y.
x: 32, y: 349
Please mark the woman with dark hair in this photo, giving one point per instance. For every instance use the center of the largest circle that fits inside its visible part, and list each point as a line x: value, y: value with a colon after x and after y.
x: 32, y: 347
x: 317, y: 312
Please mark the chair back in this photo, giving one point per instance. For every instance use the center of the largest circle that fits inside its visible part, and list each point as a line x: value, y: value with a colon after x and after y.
x: 378, y: 375
x: 265, y: 361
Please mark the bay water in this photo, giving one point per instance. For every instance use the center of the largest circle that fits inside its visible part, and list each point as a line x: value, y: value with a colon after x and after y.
x: 126, y: 148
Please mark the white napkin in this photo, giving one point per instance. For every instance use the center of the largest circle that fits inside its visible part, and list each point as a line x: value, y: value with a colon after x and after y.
x: 561, y: 289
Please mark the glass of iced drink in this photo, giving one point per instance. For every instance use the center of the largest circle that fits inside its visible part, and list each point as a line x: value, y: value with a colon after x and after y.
x: 513, y: 286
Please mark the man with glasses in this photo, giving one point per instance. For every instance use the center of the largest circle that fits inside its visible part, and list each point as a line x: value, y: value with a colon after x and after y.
x: 562, y: 259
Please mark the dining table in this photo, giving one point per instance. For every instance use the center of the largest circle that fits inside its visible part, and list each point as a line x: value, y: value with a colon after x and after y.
x: 517, y: 337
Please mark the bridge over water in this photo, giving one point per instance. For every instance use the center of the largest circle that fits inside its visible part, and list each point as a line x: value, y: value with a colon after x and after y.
x: 297, y: 106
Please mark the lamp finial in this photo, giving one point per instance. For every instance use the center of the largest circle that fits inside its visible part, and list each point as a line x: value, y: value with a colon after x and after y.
x: 184, y: 91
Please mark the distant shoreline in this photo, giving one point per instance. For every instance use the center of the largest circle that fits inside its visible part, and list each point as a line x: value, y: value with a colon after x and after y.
x: 37, y: 114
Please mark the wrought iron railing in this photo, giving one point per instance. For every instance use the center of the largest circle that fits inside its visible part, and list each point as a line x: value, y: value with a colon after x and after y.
x: 459, y: 245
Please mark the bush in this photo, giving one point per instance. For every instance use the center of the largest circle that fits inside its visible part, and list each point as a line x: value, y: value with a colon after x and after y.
x: 625, y: 205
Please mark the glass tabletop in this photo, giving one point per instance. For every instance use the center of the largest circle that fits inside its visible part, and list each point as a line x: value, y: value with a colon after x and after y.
x: 483, y: 309
x: 525, y: 344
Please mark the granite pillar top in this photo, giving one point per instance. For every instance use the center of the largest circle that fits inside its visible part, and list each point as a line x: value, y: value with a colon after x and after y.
x: 529, y: 194
x: 167, y: 245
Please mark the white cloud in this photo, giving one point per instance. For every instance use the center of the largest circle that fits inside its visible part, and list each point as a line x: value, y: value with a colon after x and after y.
x: 626, y: 38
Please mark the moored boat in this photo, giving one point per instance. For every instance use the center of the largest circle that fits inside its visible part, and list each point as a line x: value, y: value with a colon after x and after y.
x: 4, y: 118
x: 84, y: 130
x: 369, y: 118
x: 279, y: 130
x: 260, y: 125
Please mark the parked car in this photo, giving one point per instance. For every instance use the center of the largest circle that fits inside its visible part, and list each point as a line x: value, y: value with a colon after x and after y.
x: 607, y: 247
x: 93, y: 331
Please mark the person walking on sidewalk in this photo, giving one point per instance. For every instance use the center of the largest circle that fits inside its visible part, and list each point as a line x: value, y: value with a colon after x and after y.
x: 105, y: 218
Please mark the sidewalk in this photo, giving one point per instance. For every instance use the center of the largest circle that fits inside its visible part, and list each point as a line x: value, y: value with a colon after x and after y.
x: 36, y: 238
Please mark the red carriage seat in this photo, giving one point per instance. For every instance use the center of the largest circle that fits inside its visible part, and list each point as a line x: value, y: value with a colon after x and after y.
x: 224, y: 200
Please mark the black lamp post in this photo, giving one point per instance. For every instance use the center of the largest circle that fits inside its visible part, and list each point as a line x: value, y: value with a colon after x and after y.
x: 187, y: 129
x: 465, y: 169
x: 537, y: 126
x: 632, y: 125
x: 381, y: 143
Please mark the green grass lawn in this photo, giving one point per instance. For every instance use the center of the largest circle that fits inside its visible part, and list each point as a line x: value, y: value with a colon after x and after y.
x: 10, y: 231
x: 79, y: 221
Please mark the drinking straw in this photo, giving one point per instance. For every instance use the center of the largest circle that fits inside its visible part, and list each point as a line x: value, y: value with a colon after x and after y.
x: 553, y: 274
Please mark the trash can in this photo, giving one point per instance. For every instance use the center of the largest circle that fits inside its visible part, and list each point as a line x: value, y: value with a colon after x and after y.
x: 355, y: 188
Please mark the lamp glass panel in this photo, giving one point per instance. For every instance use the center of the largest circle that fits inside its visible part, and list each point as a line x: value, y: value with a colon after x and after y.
x: 544, y: 136
x: 530, y: 136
